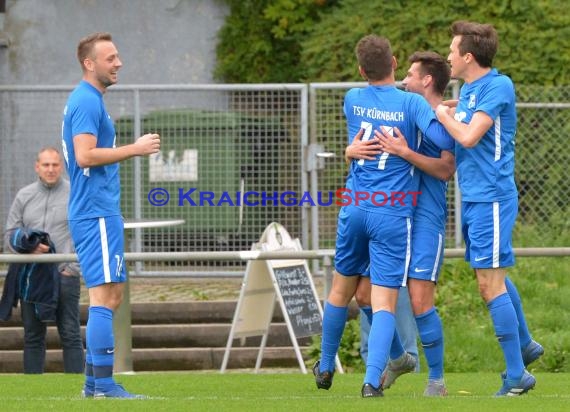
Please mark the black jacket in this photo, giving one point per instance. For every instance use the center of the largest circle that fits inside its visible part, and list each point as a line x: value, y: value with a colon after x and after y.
x: 36, y: 283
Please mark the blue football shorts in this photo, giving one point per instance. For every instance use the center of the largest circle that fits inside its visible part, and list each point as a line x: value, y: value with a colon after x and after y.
x: 487, y: 229
x: 381, y: 240
x: 99, y: 243
x: 427, y: 253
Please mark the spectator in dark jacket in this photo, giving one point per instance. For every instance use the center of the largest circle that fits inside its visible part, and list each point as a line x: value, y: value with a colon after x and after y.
x: 42, y: 206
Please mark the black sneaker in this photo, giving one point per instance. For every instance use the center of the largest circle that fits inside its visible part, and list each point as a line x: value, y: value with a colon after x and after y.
x: 369, y: 391
x: 322, y: 379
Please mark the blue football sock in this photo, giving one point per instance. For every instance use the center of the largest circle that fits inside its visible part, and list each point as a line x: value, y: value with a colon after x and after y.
x: 381, y: 336
x: 524, y: 334
x: 506, y: 329
x: 368, y: 312
x: 334, y: 319
x: 396, y: 347
x: 89, y: 378
x: 431, y: 335
x: 365, y: 322
x: 100, y: 341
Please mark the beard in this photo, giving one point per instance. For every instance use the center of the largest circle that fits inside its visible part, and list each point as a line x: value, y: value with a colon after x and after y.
x: 105, y: 81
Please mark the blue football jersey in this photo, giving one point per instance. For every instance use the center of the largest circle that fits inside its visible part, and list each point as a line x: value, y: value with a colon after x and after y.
x: 95, y: 191
x: 431, y: 209
x: 486, y: 171
x: 388, y: 183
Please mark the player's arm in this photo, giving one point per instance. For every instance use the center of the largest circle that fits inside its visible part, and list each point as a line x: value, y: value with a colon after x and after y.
x: 359, y: 149
x: 468, y: 135
x: 450, y: 102
x: 87, y: 154
x: 441, y: 168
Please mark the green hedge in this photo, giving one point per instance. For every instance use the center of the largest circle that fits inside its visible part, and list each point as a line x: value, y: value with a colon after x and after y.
x: 313, y: 40
x: 259, y: 42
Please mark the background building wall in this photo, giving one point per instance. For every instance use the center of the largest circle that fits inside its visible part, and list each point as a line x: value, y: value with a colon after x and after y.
x: 166, y: 41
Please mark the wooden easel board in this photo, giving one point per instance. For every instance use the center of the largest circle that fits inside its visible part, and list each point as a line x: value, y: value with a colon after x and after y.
x: 287, y: 281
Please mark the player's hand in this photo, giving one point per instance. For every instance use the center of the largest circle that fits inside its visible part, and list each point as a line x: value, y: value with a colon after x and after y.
x: 442, y: 110
x: 358, y: 149
x: 394, y: 145
x: 41, y: 248
x: 148, y: 144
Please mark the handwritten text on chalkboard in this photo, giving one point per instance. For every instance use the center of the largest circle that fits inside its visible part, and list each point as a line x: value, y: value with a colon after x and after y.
x: 299, y: 299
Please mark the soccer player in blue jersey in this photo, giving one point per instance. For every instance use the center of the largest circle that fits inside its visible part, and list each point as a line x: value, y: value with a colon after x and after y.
x: 374, y: 224
x: 428, y: 76
x: 484, y: 126
x: 95, y: 221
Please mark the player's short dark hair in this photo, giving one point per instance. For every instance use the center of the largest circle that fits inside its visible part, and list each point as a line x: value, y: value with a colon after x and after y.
x: 374, y: 55
x: 86, y: 45
x: 436, y: 66
x: 481, y: 40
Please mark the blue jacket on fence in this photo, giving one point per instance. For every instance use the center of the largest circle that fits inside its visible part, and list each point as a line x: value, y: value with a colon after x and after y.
x: 36, y: 283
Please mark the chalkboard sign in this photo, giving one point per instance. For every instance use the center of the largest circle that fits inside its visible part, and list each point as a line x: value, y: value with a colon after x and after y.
x: 300, y: 303
x: 265, y: 282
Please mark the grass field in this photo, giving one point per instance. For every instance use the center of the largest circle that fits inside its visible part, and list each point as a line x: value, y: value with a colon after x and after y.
x: 470, y: 342
x: 212, y: 391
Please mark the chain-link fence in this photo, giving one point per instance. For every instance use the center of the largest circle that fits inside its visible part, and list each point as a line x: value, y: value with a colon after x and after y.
x: 236, y: 157
x: 227, y: 152
x: 542, y: 168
